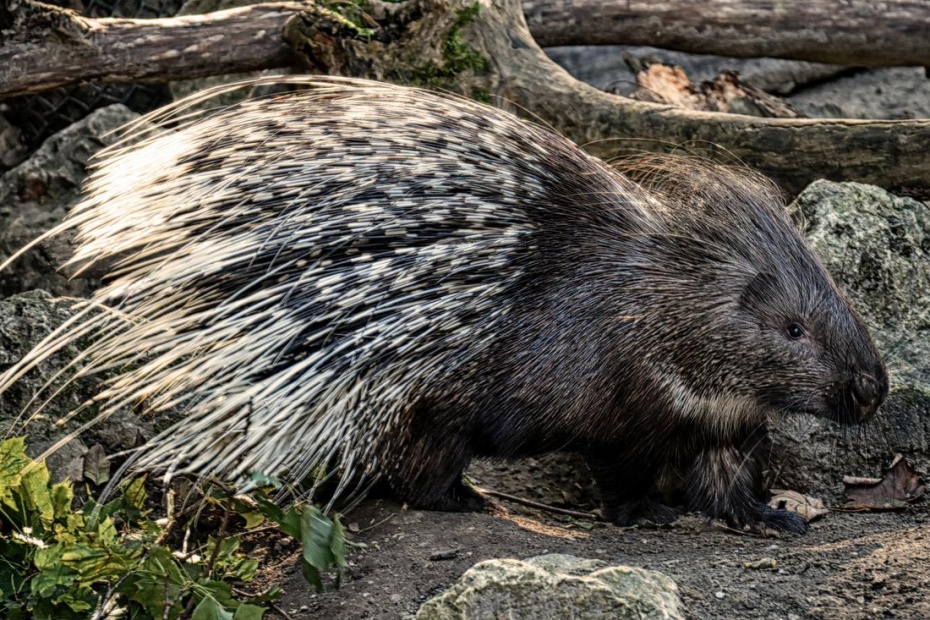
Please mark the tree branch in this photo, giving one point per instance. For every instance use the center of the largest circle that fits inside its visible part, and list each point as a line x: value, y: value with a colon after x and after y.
x: 874, y: 34
x: 793, y: 152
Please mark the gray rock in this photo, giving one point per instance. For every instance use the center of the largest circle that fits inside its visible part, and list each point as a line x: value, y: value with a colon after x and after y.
x: 12, y: 146
x: 877, y: 246
x: 815, y: 90
x: 36, y: 195
x: 24, y: 321
x: 894, y: 93
x: 556, y: 586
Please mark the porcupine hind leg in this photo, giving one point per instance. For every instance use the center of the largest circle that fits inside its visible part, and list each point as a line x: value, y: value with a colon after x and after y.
x: 725, y: 481
x: 624, y: 486
x: 427, y: 471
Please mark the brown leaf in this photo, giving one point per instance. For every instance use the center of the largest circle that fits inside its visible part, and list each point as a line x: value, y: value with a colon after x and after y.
x: 900, y: 485
x: 808, y: 507
x: 96, y: 465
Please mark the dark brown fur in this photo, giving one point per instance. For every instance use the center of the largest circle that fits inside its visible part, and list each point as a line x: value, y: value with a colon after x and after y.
x: 654, y: 349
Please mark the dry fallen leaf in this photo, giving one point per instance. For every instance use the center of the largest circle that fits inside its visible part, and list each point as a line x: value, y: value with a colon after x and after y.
x: 900, y: 485
x: 808, y: 507
x: 96, y: 465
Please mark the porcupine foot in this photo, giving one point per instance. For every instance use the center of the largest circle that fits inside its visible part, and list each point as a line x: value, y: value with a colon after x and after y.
x: 642, y: 510
x: 429, y: 477
x: 459, y: 498
x: 624, y: 489
x: 724, y: 483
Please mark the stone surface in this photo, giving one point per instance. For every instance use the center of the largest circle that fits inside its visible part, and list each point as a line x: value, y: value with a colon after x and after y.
x: 604, y: 67
x: 36, y: 195
x: 894, y: 92
x: 877, y: 247
x: 12, y: 146
x: 25, y: 320
x: 556, y: 586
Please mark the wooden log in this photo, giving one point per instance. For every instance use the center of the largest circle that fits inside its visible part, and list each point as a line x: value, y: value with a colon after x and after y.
x: 62, y: 49
x: 489, y: 53
x: 844, y: 32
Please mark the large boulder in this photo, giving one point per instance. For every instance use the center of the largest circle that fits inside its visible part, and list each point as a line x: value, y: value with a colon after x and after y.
x: 36, y: 195
x: 556, y: 586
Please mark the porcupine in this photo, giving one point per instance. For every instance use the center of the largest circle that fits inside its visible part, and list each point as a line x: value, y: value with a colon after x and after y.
x: 391, y: 282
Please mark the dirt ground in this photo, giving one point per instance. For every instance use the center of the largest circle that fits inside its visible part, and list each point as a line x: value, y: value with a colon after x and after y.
x: 851, y: 565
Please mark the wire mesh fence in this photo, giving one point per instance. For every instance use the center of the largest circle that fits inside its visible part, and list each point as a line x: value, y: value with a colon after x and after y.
x: 36, y: 117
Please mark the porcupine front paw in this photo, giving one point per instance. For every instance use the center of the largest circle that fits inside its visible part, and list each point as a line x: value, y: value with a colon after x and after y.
x: 784, y: 521
x: 725, y: 483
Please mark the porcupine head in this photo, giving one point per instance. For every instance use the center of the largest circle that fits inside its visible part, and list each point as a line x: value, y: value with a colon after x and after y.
x: 721, y: 316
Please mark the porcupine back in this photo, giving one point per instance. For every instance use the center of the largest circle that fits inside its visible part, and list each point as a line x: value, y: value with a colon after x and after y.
x: 292, y: 270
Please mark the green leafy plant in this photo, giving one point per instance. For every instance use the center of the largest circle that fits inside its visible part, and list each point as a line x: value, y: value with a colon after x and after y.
x: 61, y: 562
x: 322, y: 539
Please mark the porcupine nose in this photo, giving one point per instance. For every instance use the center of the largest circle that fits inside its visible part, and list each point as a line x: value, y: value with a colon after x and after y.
x: 869, y: 393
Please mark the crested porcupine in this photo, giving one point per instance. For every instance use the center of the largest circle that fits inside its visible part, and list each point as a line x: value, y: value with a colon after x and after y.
x: 390, y: 282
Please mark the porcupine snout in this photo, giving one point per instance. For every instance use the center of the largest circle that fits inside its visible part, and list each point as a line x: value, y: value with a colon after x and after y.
x: 867, y: 393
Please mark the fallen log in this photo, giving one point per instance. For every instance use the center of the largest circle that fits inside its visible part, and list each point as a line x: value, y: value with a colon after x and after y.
x: 485, y: 50
x: 868, y: 34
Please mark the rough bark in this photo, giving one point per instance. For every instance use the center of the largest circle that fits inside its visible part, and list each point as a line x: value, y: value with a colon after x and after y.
x: 794, y: 152
x: 489, y: 54
x: 857, y: 32
x: 54, y: 47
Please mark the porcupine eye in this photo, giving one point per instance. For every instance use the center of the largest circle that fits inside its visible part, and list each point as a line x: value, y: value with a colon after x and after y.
x: 795, y: 331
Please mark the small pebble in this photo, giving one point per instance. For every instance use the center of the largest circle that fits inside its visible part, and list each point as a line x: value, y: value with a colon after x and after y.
x: 719, y: 594
x: 445, y: 554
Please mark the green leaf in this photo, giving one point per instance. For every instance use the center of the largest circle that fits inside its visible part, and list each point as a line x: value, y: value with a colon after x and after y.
x: 220, y: 591
x: 106, y: 531
x: 35, y: 491
x: 311, y: 575
x: 62, y: 496
x: 12, y: 461
x: 316, y: 532
x: 56, y: 560
x: 157, y: 584
x: 337, y: 545
x: 134, y: 498
x: 210, y: 609
x: 253, y: 518
x: 249, y: 612
x: 288, y: 520
x: 53, y: 573
x: 228, y: 546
